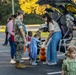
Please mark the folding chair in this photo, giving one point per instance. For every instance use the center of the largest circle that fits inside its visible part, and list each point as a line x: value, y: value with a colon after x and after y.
x: 64, y: 41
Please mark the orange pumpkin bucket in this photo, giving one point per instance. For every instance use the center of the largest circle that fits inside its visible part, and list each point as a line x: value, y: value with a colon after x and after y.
x: 42, y: 54
x: 42, y: 58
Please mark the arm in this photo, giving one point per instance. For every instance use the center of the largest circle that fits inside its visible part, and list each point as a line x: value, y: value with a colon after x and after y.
x: 23, y: 35
x: 50, y: 34
x: 10, y: 28
x: 51, y: 30
x: 64, y: 66
x: 20, y: 26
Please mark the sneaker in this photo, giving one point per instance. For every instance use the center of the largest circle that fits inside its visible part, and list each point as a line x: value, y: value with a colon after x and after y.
x: 51, y: 63
x: 33, y: 63
x: 12, y: 61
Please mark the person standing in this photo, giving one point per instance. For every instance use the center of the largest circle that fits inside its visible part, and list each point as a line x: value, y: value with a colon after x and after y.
x: 20, y: 39
x: 29, y: 38
x: 6, y: 33
x: 53, y: 38
x: 11, y: 40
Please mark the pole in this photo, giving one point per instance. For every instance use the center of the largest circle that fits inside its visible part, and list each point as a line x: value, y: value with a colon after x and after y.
x: 13, y: 11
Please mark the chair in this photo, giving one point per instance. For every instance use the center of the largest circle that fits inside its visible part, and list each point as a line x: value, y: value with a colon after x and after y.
x: 64, y: 41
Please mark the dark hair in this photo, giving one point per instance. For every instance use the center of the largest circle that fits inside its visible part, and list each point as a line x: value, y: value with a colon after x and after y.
x: 10, y: 18
x: 14, y: 16
x: 29, y: 32
x: 49, y: 19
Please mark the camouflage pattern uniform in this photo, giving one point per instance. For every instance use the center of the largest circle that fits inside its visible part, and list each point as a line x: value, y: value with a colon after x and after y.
x: 18, y: 39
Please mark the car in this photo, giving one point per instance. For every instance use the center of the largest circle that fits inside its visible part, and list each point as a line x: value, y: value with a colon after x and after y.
x: 43, y: 27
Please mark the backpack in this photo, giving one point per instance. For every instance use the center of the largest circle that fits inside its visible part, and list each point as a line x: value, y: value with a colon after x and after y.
x: 64, y: 30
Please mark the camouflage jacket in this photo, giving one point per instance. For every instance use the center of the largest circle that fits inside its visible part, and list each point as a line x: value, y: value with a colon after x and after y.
x: 17, y: 25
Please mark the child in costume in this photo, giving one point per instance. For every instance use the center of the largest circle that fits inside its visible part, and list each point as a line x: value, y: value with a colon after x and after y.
x: 29, y: 37
x: 69, y: 64
x: 33, y: 49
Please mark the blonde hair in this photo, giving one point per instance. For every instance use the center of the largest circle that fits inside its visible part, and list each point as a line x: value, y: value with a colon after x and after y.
x: 70, y: 49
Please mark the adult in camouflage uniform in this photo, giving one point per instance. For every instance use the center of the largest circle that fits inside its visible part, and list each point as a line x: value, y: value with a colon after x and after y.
x: 19, y: 39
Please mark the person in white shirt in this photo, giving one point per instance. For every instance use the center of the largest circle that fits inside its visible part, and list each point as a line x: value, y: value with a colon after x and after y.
x: 52, y: 40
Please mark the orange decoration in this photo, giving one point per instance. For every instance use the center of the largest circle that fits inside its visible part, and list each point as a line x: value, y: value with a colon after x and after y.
x: 24, y: 48
x: 42, y: 58
x: 43, y: 49
x: 42, y: 53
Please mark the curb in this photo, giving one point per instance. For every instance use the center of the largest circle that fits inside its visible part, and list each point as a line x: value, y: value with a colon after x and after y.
x: 2, y: 28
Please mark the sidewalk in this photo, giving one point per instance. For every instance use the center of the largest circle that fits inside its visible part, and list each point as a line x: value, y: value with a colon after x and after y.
x: 34, y: 27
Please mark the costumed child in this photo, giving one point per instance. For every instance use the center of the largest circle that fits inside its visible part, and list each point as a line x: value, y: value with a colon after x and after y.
x: 33, y: 49
x: 69, y: 64
x: 29, y: 37
x: 38, y: 48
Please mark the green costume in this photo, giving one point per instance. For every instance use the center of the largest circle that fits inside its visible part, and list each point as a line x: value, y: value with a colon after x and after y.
x: 69, y: 66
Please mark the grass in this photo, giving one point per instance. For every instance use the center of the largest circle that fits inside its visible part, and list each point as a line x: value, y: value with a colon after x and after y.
x: 43, y: 34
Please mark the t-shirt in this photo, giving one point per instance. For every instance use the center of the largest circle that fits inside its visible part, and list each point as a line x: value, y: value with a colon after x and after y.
x: 54, y: 26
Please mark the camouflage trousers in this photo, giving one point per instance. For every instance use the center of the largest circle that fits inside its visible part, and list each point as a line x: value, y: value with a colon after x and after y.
x: 19, y: 50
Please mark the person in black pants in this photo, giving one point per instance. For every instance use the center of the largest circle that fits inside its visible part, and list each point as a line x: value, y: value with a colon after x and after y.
x: 6, y: 32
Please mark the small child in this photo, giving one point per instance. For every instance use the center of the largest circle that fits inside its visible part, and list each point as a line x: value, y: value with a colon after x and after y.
x: 69, y: 64
x: 33, y: 49
x: 29, y: 37
x: 38, y: 48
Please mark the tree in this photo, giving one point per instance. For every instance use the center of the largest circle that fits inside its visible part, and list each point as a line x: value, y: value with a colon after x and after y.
x: 31, y: 6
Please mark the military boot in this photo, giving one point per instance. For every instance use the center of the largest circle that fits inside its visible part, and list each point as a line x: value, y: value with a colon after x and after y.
x: 20, y: 65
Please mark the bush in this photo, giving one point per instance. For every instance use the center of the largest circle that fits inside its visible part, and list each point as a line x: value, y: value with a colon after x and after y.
x: 6, y: 12
x: 32, y: 19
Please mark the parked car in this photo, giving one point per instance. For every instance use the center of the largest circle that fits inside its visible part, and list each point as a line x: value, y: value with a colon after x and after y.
x: 43, y: 27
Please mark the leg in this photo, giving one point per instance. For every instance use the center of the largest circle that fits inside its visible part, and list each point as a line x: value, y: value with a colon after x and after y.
x: 55, y: 39
x: 48, y: 54
x: 13, y: 52
x: 12, y: 49
x: 19, y: 53
x: 6, y: 39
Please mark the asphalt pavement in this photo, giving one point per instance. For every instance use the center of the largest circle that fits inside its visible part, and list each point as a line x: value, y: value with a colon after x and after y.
x: 41, y: 69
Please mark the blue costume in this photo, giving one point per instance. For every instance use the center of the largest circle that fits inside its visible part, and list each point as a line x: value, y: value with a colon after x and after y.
x: 33, y: 48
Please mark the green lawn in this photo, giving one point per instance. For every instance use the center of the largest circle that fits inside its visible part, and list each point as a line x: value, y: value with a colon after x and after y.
x: 43, y: 34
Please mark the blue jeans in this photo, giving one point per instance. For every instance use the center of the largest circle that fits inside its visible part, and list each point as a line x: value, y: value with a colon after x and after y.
x: 13, y: 48
x: 52, y: 47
